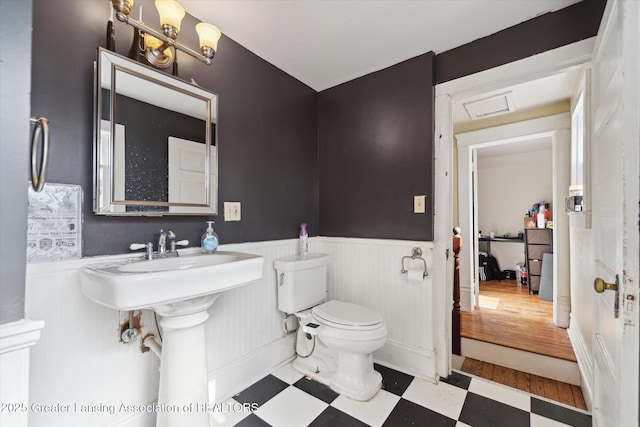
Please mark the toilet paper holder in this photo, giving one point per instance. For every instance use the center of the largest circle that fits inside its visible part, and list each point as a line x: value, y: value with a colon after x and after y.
x: 416, y: 253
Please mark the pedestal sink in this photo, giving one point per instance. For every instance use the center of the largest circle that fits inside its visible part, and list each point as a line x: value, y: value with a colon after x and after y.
x: 179, y: 289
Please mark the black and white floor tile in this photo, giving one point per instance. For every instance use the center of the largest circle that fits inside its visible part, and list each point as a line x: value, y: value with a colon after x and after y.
x: 286, y: 398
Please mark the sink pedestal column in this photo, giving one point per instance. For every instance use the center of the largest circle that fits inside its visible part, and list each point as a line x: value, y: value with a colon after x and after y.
x: 183, y: 395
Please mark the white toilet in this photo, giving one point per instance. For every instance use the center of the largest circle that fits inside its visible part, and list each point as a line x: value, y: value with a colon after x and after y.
x: 335, y: 339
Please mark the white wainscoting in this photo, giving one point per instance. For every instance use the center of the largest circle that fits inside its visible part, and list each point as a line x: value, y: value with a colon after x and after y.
x: 16, y: 340
x: 367, y: 272
x: 80, y: 361
x: 585, y: 362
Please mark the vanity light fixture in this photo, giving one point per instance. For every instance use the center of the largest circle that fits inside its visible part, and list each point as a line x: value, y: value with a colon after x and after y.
x: 157, y: 45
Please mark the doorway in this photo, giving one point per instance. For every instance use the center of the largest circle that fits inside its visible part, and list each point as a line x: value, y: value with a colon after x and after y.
x: 552, y: 130
x: 564, y: 59
x: 509, y: 179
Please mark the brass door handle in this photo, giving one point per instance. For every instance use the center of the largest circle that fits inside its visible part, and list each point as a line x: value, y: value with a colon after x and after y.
x: 600, y: 285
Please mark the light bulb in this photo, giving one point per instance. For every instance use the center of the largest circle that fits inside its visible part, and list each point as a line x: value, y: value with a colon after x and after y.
x: 171, y: 13
x: 209, y: 35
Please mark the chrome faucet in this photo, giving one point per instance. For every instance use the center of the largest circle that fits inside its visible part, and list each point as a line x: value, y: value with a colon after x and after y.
x: 172, y: 240
x: 162, y: 242
x: 162, y: 245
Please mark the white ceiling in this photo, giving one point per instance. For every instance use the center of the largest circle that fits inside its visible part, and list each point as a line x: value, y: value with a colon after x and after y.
x: 531, y: 151
x: 324, y: 43
x: 528, y: 95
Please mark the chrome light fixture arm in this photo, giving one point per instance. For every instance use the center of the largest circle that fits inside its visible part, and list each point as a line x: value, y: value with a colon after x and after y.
x: 167, y: 41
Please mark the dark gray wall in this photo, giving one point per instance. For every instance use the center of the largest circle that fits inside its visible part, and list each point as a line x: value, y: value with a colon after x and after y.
x: 269, y: 132
x: 376, y: 153
x: 15, y: 82
x: 267, y: 129
x: 545, y: 32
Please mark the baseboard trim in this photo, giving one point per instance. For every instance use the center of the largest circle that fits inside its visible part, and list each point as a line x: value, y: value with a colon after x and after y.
x: 544, y: 366
x: 416, y: 361
x: 467, y: 299
x: 240, y: 374
x: 585, y: 364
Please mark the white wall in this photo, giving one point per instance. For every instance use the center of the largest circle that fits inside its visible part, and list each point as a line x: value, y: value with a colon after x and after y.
x: 508, y: 185
x: 79, y: 358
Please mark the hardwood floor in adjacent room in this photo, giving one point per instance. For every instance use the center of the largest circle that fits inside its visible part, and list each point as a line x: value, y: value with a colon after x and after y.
x: 568, y: 394
x: 510, y: 317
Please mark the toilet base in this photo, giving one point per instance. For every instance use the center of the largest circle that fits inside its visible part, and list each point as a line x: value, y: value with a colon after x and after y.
x: 355, y: 376
x: 348, y: 374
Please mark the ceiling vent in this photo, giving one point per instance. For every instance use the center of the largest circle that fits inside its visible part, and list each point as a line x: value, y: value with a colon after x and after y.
x: 492, y: 106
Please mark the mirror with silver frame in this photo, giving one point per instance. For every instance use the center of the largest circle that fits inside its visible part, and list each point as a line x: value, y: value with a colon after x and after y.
x: 156, y: 147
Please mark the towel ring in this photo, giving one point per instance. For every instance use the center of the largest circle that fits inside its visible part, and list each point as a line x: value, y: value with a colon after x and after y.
x: 38, y: 176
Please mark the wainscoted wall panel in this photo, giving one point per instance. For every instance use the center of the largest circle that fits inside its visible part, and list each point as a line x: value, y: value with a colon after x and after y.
x: 367, y: 272
x: 16, y: 340
x: 79, y: 359
x: 245, y: 319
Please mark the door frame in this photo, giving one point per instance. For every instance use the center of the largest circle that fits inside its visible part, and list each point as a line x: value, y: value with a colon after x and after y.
x: 551, y: 129
x: 565, y: 58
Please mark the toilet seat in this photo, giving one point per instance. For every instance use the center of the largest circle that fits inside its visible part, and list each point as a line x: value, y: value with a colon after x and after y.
x: 343, y: 315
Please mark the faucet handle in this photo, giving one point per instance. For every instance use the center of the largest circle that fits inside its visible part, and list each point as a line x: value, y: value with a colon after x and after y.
x: 178, y: 243
x: 148, y: 246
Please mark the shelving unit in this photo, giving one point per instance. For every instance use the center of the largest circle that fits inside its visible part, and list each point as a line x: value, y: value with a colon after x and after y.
x: 538, y: 241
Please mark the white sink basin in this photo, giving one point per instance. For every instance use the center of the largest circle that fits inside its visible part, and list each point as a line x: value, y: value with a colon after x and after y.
x: 133, y: 284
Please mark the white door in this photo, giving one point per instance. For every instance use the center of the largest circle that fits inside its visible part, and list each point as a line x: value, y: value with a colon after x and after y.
x: 615, y: 196
x: 187, y: 174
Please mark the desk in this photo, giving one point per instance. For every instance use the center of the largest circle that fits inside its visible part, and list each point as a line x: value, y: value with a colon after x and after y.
x: 505, y: 253
x: 488, y: 241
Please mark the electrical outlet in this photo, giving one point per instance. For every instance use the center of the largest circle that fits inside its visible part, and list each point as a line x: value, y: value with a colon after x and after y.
x: 419, y: 203
x: 232, y: 211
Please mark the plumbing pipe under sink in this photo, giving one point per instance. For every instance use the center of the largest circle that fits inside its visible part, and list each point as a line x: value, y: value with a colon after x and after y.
x: 151, y: 343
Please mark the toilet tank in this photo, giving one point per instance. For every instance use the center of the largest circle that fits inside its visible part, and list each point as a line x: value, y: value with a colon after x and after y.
x: 302, y: 281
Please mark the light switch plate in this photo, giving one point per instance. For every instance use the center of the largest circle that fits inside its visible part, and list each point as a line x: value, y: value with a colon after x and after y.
x: 232, y: 211
x: 419, y: 203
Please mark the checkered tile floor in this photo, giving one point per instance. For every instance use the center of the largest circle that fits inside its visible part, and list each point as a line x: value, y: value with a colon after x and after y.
x: 288, y: 399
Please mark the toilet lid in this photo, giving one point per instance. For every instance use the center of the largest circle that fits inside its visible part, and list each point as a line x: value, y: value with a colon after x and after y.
x: 344, y: 313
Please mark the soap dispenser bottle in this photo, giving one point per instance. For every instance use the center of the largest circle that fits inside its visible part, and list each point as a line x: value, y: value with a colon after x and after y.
x: 303, y: 240
x: 209, y: 240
